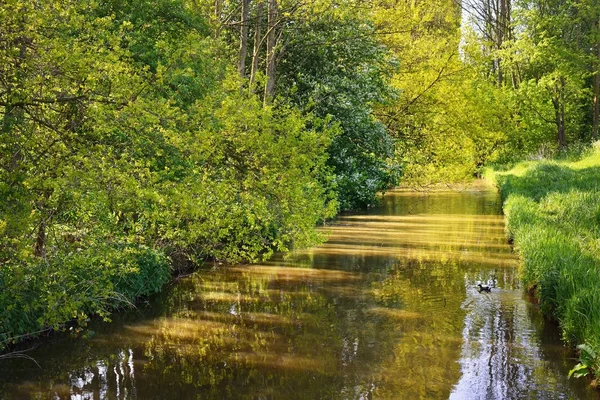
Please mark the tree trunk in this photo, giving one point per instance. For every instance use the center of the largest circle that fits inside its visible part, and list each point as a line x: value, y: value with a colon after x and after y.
x: 40, y: 241
x: 243, y: 39
x: 270, y: 72
x: 257, y: 42
x: 596, y: 119
x: 489, y: 28
x: 13, y: 115
x: 218, y: 11
x: 499, y: 40
x: 558, y: 100
x: 503, y: 17
x: 596, y: 100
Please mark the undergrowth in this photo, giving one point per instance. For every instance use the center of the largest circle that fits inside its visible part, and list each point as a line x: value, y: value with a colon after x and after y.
x: 43, y: 296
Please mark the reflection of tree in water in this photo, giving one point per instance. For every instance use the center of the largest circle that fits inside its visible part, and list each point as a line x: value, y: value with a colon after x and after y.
x: 502, y: 352
x: 423, y: 363
x: 112, y: 376
x: 238, y: 333
x: 113, y: 379
x: 287, y: 332
x: 386, y: 309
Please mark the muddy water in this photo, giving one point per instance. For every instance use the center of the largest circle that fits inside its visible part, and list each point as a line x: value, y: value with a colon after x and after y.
x: 387, y: 308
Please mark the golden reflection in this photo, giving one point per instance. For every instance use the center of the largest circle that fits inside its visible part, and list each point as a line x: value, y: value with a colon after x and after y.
x: 346, y: 291
x: 386, y: 309
x: 269, y: 319
x: 227, y: 297
x: 428, y: 219
x: 220, y: 286
x: 416, y: 239
x: 411, y: 226
x: 426, y: 233
x: 497, y: 259
x: 297, y: 274
x: 179, y: 328
x: 395, y: 314
x: 282, y: 362
x: 214, y: 316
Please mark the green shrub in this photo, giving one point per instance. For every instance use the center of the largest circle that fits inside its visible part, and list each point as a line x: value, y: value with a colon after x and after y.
x: 43, y: 295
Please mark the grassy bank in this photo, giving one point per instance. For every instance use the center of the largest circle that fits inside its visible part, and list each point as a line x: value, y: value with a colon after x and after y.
x: 553, y: 216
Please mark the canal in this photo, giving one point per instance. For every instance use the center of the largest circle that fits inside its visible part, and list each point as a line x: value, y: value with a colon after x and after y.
x: 387, y: 308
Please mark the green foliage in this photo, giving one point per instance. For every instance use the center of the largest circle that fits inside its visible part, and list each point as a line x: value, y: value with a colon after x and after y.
x: 45, y: 294
x: 334, y: 67
x: 587, y: 359
x: 553, y: 214
x: 128, y: 142
x: 170, y: 41
x: 259, y: 189
x: 440, y: 118
x: 544, y: 63
x: 126, y: 146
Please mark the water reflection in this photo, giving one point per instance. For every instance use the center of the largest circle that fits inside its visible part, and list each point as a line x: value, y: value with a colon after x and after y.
x: 502, y: 353
x: 103, y: 379
x: 387, y: 308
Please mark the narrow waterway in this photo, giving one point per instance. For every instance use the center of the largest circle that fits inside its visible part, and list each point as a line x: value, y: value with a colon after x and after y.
x: 388, y: 308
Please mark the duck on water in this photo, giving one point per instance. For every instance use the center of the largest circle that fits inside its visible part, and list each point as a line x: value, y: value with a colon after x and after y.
x: 484, y: 288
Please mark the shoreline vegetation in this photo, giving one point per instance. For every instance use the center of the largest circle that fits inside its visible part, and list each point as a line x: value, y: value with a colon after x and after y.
x: 138, y: 138
x: 134, y: 142
x: 552, y: 209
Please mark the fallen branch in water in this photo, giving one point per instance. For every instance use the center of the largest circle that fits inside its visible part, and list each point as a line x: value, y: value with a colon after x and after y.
x: 20, y: 354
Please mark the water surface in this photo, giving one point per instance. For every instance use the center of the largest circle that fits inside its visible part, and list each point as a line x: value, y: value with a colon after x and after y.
x: 386, y: 309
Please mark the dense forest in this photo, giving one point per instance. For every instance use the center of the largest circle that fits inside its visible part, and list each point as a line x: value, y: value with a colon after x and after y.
x: 142, y: 137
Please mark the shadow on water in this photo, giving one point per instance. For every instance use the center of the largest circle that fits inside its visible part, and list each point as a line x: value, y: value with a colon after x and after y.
x: 387, y: 308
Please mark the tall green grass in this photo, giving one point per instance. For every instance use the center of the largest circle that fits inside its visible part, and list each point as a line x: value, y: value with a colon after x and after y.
x: 553, y: 216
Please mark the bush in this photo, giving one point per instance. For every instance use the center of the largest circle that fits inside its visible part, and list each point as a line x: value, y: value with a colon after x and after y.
x: 43, y: 295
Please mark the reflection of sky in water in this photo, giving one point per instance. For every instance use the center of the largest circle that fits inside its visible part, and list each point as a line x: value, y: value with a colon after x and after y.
x: 387, y: 308
x: 501, y: 355
x: 102, y: 381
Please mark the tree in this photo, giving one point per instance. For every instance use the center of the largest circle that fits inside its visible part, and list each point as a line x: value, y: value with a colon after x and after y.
x: 556, y: 48
x: 550, y: 42
x: 128, y: 148
x: 428, y: 118
x: 492, y: 19
x: 334, y: 67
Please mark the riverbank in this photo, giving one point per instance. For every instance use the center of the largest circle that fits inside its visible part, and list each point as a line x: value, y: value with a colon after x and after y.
x: 388, y: 307
x: 553, y: 216
x: 43, y: 296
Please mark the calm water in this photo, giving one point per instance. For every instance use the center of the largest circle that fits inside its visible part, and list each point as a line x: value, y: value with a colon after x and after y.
x: 386, y: 309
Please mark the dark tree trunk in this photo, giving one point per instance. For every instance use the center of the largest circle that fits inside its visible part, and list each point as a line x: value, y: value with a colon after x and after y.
x: 257, y: 42
x: 499, y: 40
x: 596, y: 118
x: 596, y: 101
x: 243, y: 39
x: 270, y: 72
x: 218, y: 11
x: 502, y: 11
x: 558, y: 100
x: 40, y: 241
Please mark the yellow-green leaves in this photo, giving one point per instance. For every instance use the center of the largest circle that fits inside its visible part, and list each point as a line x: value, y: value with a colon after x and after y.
x: 125, y: 140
